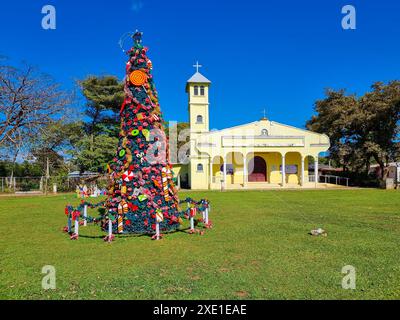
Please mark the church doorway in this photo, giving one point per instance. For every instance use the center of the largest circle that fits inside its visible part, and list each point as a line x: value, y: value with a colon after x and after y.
x: 257, y: 170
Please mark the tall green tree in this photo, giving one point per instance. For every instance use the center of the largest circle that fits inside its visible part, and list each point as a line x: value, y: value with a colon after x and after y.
x: 335, y: 114
x: 93, y: 145
x: 362, y: 130
x: 104, y: 96
x: 93, y: 155
x: 377, y: 124
x: 52, y: 146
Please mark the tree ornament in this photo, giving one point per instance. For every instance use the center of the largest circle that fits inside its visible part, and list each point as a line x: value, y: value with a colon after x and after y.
x: 122, y: 209
x: 123, y: 190
x: 146, y: 134
x: 122, y: 153
x: 138, y: 77
x: 127, y: 176
x: 135, y: 132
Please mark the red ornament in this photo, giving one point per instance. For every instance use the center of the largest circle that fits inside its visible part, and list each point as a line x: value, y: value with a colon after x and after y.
x: 75, y: 215
x: 128, y: 176
x: 133, y: 207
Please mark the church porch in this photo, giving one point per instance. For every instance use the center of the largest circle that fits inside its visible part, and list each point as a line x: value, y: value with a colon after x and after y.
x: 261, y: 170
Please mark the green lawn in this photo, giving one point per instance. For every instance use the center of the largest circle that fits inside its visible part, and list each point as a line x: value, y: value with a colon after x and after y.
x: 259, y: 248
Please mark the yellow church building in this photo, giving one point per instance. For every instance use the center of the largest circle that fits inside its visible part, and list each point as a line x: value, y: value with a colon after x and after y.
x: 260, y: 154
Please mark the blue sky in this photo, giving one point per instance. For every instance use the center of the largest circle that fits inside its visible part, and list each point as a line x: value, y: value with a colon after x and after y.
x: 278, y: 55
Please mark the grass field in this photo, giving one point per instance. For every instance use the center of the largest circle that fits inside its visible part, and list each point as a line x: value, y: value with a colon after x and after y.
x: 259, y: 248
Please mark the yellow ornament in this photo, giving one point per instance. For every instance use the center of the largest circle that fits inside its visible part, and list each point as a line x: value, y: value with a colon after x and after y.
x: 146, y: 134
x: 123, y: 190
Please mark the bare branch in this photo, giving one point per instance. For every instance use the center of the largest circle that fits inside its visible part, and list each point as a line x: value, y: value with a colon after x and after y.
x: 29, y: 101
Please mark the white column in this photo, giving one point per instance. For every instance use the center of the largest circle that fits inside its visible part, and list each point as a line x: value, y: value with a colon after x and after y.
x: 302, y: 171
x: 316, y: 170
x: 211, y: 172
x: 245, y: 170
x: 283, y: 170
x: 224, y: 172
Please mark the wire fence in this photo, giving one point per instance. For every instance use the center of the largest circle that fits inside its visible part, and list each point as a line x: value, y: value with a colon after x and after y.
x: 21, y: 184
x: 37, y: 184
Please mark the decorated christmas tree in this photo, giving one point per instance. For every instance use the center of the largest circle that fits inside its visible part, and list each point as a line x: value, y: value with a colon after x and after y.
x: 142, y: 197
x: 141, y: 190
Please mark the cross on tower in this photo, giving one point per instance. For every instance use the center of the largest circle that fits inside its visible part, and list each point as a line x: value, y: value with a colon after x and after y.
x: 265, y: 114
x: 197, y: 66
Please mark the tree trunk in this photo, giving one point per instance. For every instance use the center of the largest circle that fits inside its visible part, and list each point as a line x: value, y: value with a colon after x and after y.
x: 12, y: 169
x: 367, y: 165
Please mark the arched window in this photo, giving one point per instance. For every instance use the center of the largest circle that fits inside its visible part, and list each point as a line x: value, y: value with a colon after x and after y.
x: 196, y: 90
x: 229, y: 169
x: 202, y: 90
x: 264, y: 132
x: 199, y: 167
x: 199, y: 119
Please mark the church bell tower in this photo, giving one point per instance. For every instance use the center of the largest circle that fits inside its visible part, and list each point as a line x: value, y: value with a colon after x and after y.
x: 197, y: 88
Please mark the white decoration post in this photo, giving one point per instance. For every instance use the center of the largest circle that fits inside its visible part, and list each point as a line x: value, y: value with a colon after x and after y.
x: 157, y: 230
x: 85, y: 215
x: 206, y: 216
x: 191, y: 218
x: 109, y: 229
x: 159, y: 218
x: 191, y: 223
x: 76, y: 231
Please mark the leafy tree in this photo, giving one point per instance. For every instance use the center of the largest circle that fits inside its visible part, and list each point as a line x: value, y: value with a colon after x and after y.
x: 104, y: 96
x: 377, y: 124
x: 52, y: 145
x: 24, y: 169
x: 92, y: 141
x: 94, y: 156
x: 362, y: 130
x: 334, y: 118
